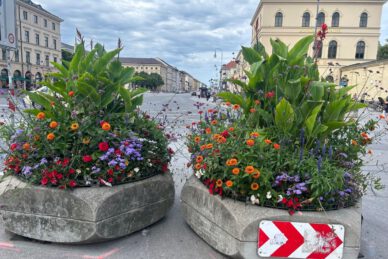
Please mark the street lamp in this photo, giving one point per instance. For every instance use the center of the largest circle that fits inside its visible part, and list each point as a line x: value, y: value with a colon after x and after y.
x: 215, y: 56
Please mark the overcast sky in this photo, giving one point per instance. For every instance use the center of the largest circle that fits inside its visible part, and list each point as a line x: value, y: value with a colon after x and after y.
x: 185, y: 33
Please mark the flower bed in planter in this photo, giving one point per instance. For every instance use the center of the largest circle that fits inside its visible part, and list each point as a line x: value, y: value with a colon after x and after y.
x: 86, y: 132
x: 286, y: 142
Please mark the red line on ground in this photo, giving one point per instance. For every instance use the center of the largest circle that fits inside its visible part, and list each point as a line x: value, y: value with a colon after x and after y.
x: 103, y: 256
x: 8, y: 246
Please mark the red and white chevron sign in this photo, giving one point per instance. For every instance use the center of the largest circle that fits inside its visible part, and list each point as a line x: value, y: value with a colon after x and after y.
x: 300, y: 240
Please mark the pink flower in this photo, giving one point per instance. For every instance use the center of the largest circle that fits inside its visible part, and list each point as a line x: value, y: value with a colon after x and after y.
x: 72, y: 183
x: 87, y: 159
x: 103, y: 146
x: 44, y: 181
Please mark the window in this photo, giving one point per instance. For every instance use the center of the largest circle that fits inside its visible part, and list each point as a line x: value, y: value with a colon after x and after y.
x: 318, y: 52
x: 306, y: 19
x: 47, y: 60
x: 360, y: 50
x: 55, y: 44
x: 38, y: 59
x: 53, y: 26
x: 332, y: 49
x: 279, y: 19
x: 3, y: 54
x: 364, y: 20
x: 27, y: 36
x: 335, y: 20
x: 320, y: 19
x: 25, y: 15
x: 17, y: 55
x: 46, y: 41
x: 45, y: 23
x: 330, y: 79
x: 55, y: 59
x: 35, y: 19
x: 37, y: 39
x: 28, y: 57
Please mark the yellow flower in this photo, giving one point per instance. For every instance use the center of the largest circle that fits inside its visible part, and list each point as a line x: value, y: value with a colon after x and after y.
x: 74, y: 126
x: 86, y: 140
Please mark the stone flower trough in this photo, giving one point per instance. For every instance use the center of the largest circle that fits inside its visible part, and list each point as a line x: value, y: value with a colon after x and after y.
x: 84, y: 215
x: 231, y: 227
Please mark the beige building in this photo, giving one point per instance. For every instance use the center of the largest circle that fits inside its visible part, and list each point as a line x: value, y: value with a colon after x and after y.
x: 371, y: 79
x: 354, y: 29
x: 39, y: 43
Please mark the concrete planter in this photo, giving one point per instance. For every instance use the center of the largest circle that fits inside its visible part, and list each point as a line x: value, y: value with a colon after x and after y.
x: 231, y: 227
x: 84, y: 215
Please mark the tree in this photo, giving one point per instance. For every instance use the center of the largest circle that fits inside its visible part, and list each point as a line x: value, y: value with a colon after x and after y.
x: 151, y: 81
x: 66, y: 55
x: 382, y: 52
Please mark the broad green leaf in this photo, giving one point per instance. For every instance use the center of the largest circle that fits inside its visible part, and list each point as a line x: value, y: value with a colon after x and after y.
x: 279, y: 48
x: 250, y: 55
x: 317, y: 91
x: 311, y: 120
x: 300, y: 49
x: 284, y: 116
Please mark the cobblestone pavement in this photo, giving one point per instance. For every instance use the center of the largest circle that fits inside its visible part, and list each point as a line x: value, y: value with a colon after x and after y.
x: 171, y: 237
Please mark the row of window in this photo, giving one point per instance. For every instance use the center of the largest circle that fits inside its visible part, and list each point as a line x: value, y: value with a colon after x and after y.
x: 141, y: 68
x: 38, y: 60
x: 332, y: 51
x: 335, y: 19
x: 36, y: 20
x: 37, y: 40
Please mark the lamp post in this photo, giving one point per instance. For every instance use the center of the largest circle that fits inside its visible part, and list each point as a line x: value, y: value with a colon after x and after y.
x: 222, y: 56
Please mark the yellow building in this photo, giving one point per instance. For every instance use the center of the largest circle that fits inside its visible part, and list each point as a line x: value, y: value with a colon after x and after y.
x: 39, y: 43
x: 354, y: 29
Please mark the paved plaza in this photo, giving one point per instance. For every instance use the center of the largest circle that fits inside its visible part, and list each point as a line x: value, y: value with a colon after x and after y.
x: 172, y: 237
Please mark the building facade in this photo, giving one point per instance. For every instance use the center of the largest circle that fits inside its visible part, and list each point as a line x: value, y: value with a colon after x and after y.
x: 353, y: 35
x: 39, y: 43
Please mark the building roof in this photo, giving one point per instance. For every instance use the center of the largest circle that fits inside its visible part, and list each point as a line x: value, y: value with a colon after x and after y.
x: 40, y: 8
x: 67, y: 47
x: 141, y: 61
x: 366, y: 64
x: 230, y: 65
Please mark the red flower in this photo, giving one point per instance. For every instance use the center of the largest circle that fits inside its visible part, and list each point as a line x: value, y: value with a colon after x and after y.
x: 44, y: 181
x: 110, y: 180
x: 72, y: 183
x: 225, y: 134
x: 118, y: 152
x: 269, y: 95
x: 87, y: 159
x: 170, y: 151
x: 110, y: 172
x: 13, y: 146
x: 71, y: 171
x: 54, y: 181
x: 71, y: 93
x: 65, y: 162
x: 103, y: 146
x: 59, y: 176
x: 324, y: 27
x: 165, y: 168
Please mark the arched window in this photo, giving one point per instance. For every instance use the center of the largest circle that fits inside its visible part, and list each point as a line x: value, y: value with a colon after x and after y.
x: 306, y: 19
x: 279, y: 19
x: 364, y: 20
x: 320, y: 19
x: 360, y: 50
x: 335, y: 19
x: 332, y: 49
x: 330, y: 79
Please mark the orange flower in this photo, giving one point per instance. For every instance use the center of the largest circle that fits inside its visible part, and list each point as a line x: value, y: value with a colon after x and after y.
x: 249, y: 169
x: 382, y: 116
x: 255, y: 134
x: 257, y: 102
x: 268, y: 141
x: 26, y: 146
x: 199, y: 159
x: 50, y: 136
x: 41, y: 116
x: 203, y: 147
x: 227, y: 103
x: 255, y: 186
x: 233, y: 161
x: 236, y: 171
x: 210, y: 111
x: 256, y: 174
x: 214, y: 122
x: 236, y: 107
x: 221, y: 140
x: 252, y: 110
x: 52, y: 104
x: 364, y: 135
x: 229, y: 183
x: 53, y: 124
x: 276, y: 146
x: 105, y: 126
x: 197, y: 139
x: 231, y: 129
x: 74, y: 126
x: 219, y: 183
x: 198, y: 166
x: 228, y: 162
x: 354, y: 143
x: 250, y: 142
x: 71, y: 93
x: 208, y: 131
x: 209, y: 146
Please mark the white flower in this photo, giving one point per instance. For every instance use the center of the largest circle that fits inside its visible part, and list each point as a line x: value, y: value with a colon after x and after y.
x: 254, y: 200
x: 280, y: 198
x: 269, y: 195
x: 136, y: 169
x: 199, y: 173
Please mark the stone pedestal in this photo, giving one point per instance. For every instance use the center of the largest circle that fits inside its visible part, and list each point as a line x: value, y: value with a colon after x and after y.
x: 231, y: 227
x: 84, y: 215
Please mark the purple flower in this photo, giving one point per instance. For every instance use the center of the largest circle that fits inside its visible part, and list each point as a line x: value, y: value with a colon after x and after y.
x: 112, y: 163
x: 26, y: 170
